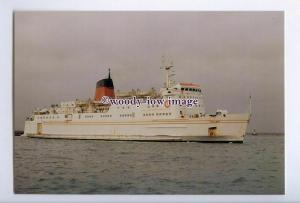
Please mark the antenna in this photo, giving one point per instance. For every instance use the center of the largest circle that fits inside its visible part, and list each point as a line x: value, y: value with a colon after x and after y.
x: 250, y: 106
x: 108, y: 73
x: 167, y: 66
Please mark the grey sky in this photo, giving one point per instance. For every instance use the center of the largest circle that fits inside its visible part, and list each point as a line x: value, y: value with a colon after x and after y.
x: 59, y: 56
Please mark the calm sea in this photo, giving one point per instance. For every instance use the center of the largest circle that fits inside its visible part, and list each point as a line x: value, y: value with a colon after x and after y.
x: 50, y: 166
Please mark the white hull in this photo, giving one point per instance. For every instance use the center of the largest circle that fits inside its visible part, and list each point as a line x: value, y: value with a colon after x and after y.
x: 231, y: 128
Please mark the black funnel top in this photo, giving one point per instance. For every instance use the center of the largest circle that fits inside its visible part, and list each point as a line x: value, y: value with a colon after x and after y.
x: 108, y: 82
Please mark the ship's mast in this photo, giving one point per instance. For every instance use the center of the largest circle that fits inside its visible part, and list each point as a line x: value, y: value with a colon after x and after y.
x: 109, y: 73
x: 167, y: 66
x: 250, y: 106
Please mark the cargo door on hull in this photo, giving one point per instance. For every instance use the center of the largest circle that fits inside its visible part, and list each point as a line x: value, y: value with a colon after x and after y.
x: 39, y: 128
x: 212, y: 131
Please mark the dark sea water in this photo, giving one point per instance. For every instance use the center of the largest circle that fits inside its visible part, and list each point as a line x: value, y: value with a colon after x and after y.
x: 51, y: 166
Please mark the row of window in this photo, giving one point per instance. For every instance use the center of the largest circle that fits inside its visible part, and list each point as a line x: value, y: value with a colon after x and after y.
x: 126, y: 115
x: 86, y: 116
x: 123, y: 107
x: 157, y: 114
x: 101, y: 116
x: 47, y: 117
x: 106, y: 116
x: 191, y: 89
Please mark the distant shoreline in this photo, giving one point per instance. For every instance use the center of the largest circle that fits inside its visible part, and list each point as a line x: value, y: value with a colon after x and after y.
x: 262, y: 133
x: 20, y: 132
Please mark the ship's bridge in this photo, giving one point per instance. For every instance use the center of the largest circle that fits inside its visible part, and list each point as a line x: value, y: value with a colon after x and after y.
x: 186, y: 91
x: 191, y: 87
x: 183, y: 90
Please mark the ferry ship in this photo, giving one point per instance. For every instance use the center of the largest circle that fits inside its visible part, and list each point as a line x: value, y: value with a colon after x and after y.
x: 93, y: 119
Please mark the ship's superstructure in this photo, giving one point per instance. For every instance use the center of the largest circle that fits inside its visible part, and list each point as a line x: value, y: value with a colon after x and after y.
x: 94, y: 119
